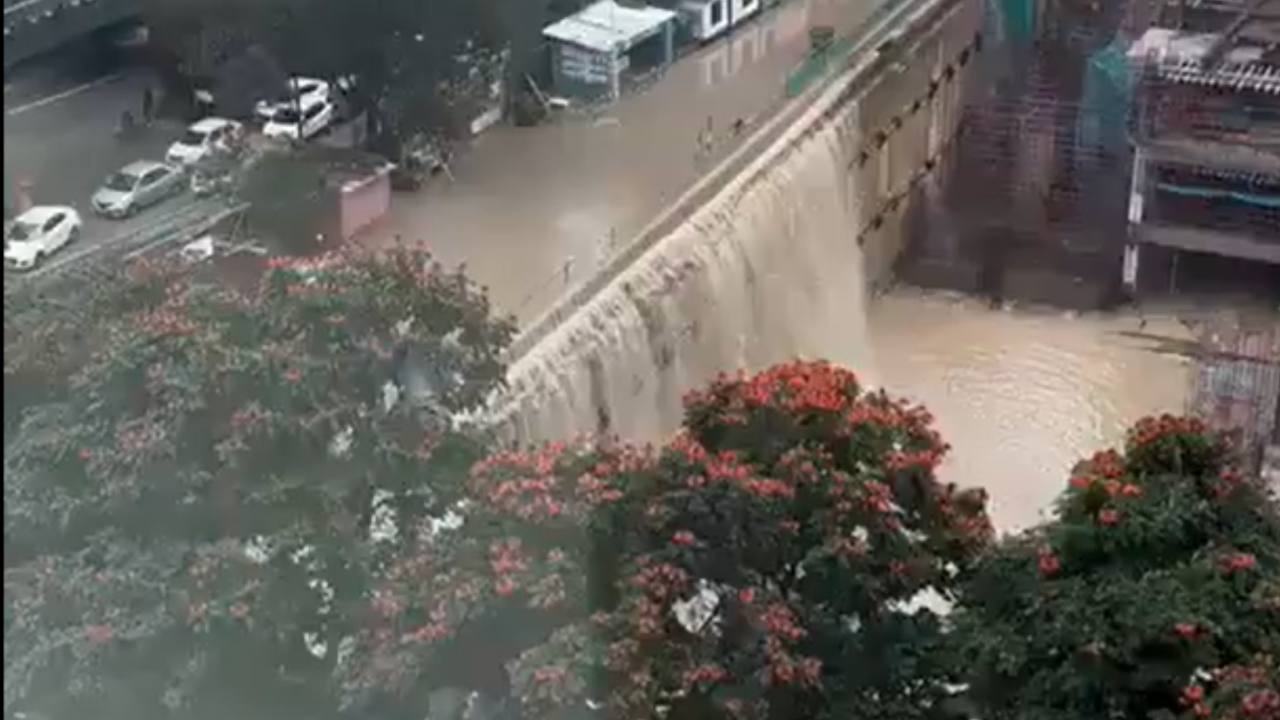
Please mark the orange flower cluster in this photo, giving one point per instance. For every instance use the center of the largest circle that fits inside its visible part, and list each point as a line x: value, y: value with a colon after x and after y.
x: 1152, y: 429
x: 1047, y: 561
x: 813, y: 389
x: 545, y: 483
x: 1236, y: 692
x: 790, y: 472
x: 1171, y: 443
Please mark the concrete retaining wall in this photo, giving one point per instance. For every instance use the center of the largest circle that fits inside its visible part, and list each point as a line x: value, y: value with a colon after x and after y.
x: 862, y: 72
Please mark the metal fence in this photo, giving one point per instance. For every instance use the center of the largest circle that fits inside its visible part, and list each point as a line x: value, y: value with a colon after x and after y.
x: 1237, y: 383
x: 819, y: 63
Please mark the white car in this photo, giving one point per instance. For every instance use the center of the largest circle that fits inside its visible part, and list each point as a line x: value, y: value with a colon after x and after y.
x: 38, y: 233
x: 289, y: 124
x: 302, y: 92
x: 204, y: 138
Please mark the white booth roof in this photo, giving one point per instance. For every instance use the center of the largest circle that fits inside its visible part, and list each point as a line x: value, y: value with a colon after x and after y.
x: 608, y: 26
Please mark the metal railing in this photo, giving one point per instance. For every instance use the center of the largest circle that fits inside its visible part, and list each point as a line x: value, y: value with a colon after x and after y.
x: 1236, y: 386
x: 818, y: 63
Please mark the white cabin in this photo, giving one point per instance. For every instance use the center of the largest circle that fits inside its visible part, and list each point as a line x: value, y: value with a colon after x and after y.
x: 707, y: 20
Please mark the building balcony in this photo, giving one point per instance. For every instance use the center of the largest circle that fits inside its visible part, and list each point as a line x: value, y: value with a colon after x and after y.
x: 1231, y: 210
x: 1222, y: 153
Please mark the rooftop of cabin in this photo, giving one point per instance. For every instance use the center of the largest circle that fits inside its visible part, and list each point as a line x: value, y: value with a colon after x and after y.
x: 1210, y: 84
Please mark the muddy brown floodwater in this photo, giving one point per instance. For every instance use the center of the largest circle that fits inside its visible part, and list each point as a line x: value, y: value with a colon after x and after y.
x: 527, y: 201
x: 771, y: 268
x: 1023, y: 394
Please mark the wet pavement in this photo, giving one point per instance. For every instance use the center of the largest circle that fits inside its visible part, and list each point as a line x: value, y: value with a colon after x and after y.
x: 59, y: 135
x: 534, y: 210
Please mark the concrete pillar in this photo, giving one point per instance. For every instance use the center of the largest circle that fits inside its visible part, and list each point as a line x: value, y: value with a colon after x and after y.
x: 1138, y: 189
x: 615, y: 77
x: 669, y: 41
x: 1132, y: 255
x: 1137, y: 212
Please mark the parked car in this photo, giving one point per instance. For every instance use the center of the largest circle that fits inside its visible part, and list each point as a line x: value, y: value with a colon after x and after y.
x: 290, y: 124
x: 136, y: 186
x: 204, y: 138
x: 302, y: 92
x: 38, y: 233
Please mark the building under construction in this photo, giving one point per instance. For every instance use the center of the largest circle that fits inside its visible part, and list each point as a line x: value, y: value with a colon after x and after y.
x: 1205, y: 134
x: 1125, y: 148
x: 1129, y: 145
x: 1205, y: 131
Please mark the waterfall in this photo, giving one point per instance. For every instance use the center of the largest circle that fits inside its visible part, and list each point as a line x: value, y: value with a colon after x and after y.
x: 772, y: 268
x: 767, y: 271
x: 781, y: 263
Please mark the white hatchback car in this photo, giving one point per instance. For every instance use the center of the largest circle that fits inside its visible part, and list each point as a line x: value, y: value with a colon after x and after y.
x: 290, y: 124
x: 302, y: 92
x: 203, y: 139
x: 38, y: 233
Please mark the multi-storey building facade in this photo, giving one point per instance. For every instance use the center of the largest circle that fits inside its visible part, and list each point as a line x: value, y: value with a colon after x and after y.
x: 1205, y: 128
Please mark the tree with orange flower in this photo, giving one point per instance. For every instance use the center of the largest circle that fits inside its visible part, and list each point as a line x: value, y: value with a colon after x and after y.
x: 768, y: 562
x: 191, y: 526
x: 1153, y: 593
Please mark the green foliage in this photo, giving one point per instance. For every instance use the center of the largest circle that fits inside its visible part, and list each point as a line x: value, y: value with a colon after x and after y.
x: 1153, y: 594
x: 199, y: 506
x: 50, y: 328
x: 289, y: 204
x: 762, y: 564
x: 199, y: 493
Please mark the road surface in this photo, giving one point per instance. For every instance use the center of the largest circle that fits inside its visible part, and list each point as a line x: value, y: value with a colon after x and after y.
x: 36, y: 27
x: 527, y: 202
x: 58, y: 135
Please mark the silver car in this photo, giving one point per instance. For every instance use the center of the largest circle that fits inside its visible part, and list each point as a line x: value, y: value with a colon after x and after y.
x: 136, y: 186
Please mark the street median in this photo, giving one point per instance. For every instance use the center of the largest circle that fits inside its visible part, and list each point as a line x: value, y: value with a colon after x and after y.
x: 168, y: 227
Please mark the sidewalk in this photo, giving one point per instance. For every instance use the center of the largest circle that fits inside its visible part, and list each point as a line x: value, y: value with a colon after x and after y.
x: 532, y: 211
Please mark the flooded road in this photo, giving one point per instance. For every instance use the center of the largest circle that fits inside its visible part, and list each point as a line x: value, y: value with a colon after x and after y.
x: 774, y: 267
x: 526, y: 202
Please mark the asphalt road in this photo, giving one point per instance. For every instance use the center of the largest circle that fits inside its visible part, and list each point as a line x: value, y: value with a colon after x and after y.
x: 59, y: 134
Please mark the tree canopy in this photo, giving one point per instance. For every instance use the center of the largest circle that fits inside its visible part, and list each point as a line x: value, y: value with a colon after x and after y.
x: 267, y: 506
x: 761, y: 564
x: 1154, y: 594
x: 190, y: 524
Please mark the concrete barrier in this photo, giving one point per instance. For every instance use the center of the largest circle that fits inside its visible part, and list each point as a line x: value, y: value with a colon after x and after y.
x: 773, y: 141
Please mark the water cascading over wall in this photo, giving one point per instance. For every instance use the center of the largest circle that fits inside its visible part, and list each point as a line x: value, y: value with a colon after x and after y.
x: 779, y: 264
